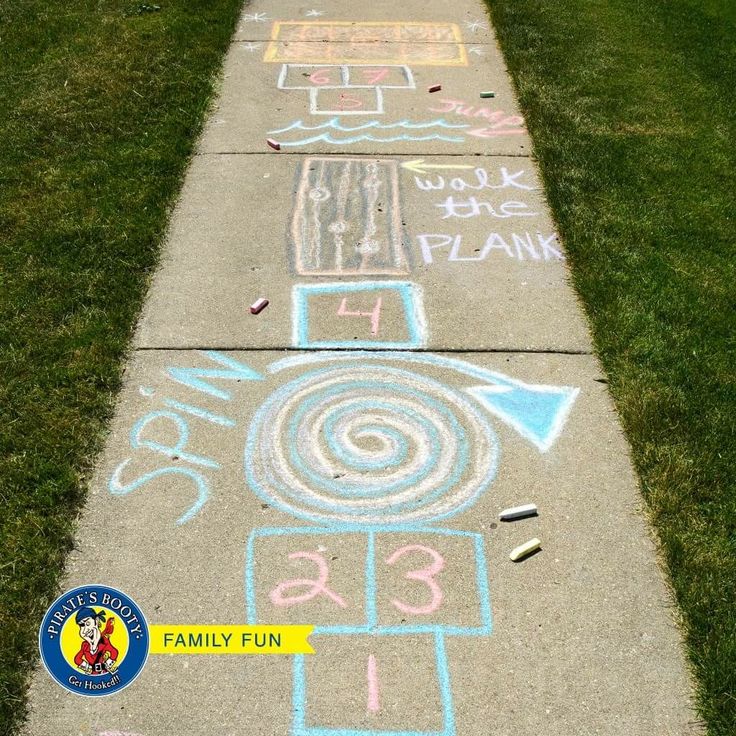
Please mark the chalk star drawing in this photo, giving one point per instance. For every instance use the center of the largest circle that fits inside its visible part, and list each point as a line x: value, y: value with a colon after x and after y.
x: 314, y: 13
x: 250, y: 46
x: 475, y: 25
x: 477, y: 51
x: 257, y: 17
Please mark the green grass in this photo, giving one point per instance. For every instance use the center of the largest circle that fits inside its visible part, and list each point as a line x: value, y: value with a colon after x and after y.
x: 100, y: 103
x: 632, y: 109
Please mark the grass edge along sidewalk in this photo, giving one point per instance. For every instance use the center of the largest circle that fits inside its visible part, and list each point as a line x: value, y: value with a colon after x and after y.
x: 630, y: 107
x: 101, y: 105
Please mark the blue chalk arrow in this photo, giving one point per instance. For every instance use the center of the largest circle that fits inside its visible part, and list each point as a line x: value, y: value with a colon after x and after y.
x: 537, y: 413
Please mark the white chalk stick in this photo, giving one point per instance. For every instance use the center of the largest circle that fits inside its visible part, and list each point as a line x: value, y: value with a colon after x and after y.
x: 518, y: 512
x: 520, y: 552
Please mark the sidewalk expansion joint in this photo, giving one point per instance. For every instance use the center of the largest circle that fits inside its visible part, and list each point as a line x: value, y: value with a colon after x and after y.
x: 281, y: 348
x: 353, y: 154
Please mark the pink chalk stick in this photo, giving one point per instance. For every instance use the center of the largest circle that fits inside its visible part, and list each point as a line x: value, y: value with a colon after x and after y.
x: 435, y: 88
x: 258, y: 306
x: 274, y: 144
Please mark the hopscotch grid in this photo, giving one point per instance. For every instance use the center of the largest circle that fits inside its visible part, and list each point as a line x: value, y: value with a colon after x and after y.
x: 372, y: 627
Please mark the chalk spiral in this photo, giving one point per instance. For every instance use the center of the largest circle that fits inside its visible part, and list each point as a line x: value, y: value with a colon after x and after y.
x: 370, y: 446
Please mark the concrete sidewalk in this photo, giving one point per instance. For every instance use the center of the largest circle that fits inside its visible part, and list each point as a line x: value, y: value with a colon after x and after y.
x: 423, y: 364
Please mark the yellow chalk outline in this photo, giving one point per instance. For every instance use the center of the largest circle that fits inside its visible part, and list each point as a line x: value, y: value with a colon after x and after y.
x: 271, y: 53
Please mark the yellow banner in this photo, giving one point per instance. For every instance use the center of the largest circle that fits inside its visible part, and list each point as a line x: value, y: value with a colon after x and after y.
x: 227, y: 639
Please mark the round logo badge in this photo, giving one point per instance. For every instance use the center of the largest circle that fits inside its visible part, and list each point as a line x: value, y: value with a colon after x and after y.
x: 94, y: 640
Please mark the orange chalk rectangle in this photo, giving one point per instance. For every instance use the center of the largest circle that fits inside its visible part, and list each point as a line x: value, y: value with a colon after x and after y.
x: 348, y: 42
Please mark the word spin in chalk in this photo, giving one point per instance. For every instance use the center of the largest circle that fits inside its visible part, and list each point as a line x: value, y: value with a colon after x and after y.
x: 518, y: 512
x: 258, y: 306
x: 524, y: 550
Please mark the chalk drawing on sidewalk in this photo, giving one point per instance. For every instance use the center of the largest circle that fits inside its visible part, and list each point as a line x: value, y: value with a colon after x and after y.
x: 538, y: 412
x: 428, y: 562
x: 402, y: 300
x: 384, y: 446
x: 520, y: 246
x: 334, y: 124
x: 499, y: 122
x: 355, y: 42
x: 345, y: 89
x: 481, y: 179
x: 475, y: 25
x: 411, y: 579
x: 347, y: 219
x: 151, y: 436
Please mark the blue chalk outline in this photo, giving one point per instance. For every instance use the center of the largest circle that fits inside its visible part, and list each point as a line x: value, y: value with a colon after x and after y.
x: 299, y: 701
x: 410, y: 297
x: 371, y: 614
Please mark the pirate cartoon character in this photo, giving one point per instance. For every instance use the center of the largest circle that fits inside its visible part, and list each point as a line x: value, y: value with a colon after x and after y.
x: 96, y: 655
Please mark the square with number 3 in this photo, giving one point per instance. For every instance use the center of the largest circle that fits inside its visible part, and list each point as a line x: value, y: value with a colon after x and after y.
x: 430, y: 580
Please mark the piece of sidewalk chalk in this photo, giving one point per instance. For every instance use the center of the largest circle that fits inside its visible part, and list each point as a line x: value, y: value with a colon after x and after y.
x: 522, y: 551
x: 274, y: 144
x: 518, y: 512
x: 487, y: 94
x: 435, y: 88
x: 258, y: 306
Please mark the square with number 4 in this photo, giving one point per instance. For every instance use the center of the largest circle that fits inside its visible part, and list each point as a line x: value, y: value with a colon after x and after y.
x: 372, y: 685
x: 363, y: 314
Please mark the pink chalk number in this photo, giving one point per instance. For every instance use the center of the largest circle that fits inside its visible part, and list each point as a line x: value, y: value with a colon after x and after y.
x: 375, y: 314
x: 373, y: 76
x: 314, y: 587
x: 424, y: 575
x: 321, y: 76
x: 373, y: 700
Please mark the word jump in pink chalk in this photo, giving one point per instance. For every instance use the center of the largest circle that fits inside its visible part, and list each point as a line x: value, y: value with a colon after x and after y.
x: 258, y: 306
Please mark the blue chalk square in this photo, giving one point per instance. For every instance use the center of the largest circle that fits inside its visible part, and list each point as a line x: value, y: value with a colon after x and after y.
x: 427, y: 580
x: 358, y: 314
x: 372, y: 685
x: 306, y: 576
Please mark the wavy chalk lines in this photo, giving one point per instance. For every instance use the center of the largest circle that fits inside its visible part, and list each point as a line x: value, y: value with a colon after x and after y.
x: 336, y: 125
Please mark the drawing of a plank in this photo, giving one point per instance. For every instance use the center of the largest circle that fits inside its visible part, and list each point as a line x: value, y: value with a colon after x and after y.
x: 346, y: 219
